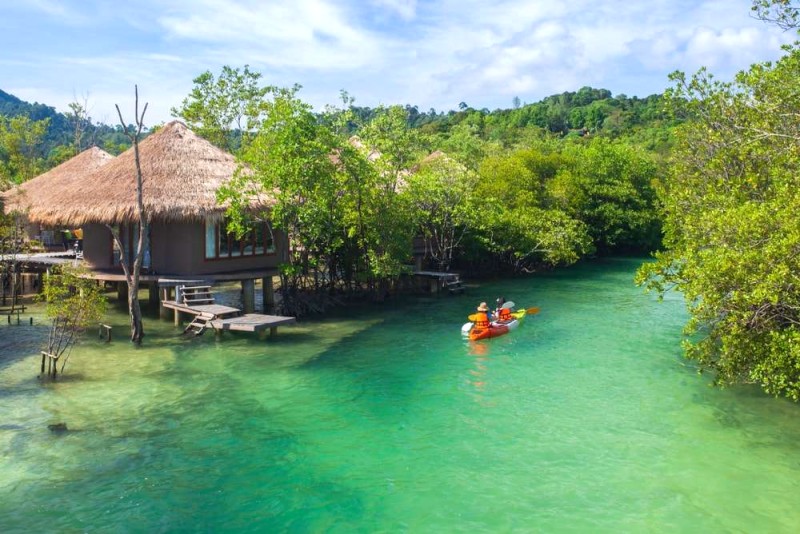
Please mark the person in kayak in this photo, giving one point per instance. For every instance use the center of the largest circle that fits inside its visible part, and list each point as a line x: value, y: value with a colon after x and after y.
x: 482, y: 317
x: 502, y: 314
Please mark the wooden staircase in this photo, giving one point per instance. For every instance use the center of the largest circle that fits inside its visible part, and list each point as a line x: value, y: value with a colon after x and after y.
x: 453, y: 284
x: 194, y: 295
x: 199, y: 324
x: 198, y: 296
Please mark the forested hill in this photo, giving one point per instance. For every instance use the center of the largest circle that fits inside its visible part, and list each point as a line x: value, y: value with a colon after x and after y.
x: 57, y: 133
x: 587, y: 110
x: 61, y: 130
x: 12, y: 106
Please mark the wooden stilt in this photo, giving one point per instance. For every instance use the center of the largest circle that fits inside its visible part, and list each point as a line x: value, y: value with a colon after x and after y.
x: 52, y: 364
x: 268, y: 295
x: 249, y: 296
x: 163, y: 312
x: 105, y: 332
x: 153, y: 295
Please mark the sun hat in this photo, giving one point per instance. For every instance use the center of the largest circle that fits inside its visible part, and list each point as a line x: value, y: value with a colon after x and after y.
x: 483, y: 307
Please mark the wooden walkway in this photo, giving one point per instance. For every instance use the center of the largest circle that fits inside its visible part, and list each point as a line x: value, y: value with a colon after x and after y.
x: 442, y: 281
x: 252, y: 322
x: 200, y: 309
x: 220, y: 317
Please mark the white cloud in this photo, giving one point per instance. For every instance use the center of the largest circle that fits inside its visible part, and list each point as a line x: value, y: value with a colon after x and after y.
x: 310, y: 34
x: 434, y: 54
x: 713, y: 48
x: 51, y: 8
x: 407, y: 9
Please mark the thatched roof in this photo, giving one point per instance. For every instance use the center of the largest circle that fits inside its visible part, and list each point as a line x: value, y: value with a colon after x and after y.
x: 356, y: 142
x: 46, y: 188
x: 181, y: 174
x: 431, y: 158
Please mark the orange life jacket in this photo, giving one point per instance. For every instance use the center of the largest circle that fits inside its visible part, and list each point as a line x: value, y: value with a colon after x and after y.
x: 481, y: 320
x: 503, y: 314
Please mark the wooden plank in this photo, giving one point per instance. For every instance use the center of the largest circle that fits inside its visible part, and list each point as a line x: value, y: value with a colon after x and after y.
x: 435, y: 274
x: 212, y: 309
x: 252, y: 322
x: 171, y: 282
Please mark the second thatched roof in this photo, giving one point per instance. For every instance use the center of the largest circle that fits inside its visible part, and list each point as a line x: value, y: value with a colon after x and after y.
x: 46, y: 189
x: 181, y: 174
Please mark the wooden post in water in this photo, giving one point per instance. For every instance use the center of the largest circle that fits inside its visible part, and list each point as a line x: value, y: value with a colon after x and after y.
x: 434, y: 285
x: 16, y: 281
x: 105, y: 331
x: 178, y: 298
x: 52, y: 364
x: 163, y: 312
x: 249, y: 295
x: 268, y: 295
x: 153, y: 295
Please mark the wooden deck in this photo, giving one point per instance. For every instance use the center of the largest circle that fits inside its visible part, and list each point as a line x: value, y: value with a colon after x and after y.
x: 440, y: 281
x: 223, y: 318
x: 251, y: 322
x: 201, y: 309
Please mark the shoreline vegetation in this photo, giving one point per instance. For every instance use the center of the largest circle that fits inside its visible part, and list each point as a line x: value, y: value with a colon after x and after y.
x: 705, y: 174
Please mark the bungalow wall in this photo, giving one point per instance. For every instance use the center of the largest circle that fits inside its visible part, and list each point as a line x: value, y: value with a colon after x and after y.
x: 177, y: 248
x: 97, y: 249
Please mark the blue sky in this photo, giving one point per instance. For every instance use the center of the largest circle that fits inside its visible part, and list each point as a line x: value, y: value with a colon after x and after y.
x: 434, y: 53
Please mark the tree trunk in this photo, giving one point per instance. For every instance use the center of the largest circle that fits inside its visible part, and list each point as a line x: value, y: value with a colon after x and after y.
x: 137, y: 329
x: 132, y: 272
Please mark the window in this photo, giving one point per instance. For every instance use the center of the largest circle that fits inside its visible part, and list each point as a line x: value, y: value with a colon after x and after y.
x: 221, y: 244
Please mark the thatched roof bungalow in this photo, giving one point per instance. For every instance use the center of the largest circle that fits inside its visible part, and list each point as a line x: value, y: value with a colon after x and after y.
x: 46, y: 189
x: 181, y: 174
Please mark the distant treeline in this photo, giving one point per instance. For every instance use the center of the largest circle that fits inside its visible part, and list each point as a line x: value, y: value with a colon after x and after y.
x: 61, y: 129
x: 587, y: 111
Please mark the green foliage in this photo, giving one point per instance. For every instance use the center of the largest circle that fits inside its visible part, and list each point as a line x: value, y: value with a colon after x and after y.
x: 225, y: 109
x: 62, y: 130
x: 779, y: 12
x: 514, y: 222
x: 599, y: 191
x: 730, y: 218
x: 74, y: 302
x: 19, y: 140
x: 607, y: 185
x: 440, y: 195
x: 527, y: 238
x: 392, y: 148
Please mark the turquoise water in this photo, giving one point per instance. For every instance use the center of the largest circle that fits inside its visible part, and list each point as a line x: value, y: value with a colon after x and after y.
x: 585, y: 419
